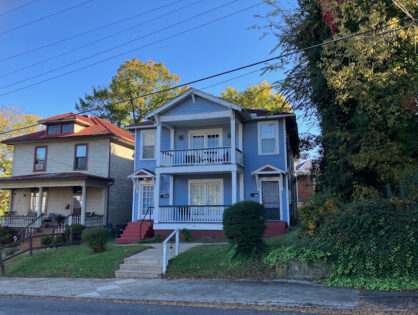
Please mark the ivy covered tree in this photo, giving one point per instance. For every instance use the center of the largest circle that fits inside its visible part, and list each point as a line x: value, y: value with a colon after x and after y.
x: 120, y: 102
x: 362, y: 90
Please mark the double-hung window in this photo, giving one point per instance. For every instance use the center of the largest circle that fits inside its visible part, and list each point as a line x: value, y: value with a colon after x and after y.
x: 40, y: 159
x: 268, y: 137
x: 148, y: 144
x: 80, y: 157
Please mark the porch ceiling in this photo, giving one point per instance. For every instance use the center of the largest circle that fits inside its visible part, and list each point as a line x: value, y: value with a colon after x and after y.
x: 190, y: 123
x: 54, y: 180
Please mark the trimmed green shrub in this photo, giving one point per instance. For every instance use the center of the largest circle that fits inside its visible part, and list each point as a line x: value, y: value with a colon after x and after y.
x: 5, y: 235
x: 243, y: 225
x: 58, y: 240
x: 47, y: 240
x: 77, y: 231
x: 96, y: 238
x: 186, y: 235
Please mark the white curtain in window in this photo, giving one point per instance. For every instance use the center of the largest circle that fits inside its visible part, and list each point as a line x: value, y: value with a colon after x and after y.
x: 268, y: 138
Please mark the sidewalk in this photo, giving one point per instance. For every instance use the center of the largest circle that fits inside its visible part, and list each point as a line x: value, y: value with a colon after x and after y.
x: 274, y: 293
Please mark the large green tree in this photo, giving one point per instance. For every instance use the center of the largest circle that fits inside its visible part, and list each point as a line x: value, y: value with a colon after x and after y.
x: 11, y: 118
x: 362, y: 90
x: 262, y: 96
x: 121, y: 102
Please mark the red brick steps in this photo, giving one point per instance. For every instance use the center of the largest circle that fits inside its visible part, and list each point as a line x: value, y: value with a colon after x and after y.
x: 131, y: 233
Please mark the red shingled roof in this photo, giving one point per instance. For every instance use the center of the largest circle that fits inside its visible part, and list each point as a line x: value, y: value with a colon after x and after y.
x: 98, y: 127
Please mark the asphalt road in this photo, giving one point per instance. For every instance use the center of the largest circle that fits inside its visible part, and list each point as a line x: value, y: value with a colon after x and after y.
x: 48, y: 306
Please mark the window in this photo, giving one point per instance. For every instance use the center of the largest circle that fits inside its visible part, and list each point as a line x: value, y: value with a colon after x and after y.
x: 148, y: 144
x: 202, y: 139
x: 268, y: 138
x: 80, y: 161
x: 40, y: 159
x: 206, y: 192
x: 67, y: 128
x: 53, y: 129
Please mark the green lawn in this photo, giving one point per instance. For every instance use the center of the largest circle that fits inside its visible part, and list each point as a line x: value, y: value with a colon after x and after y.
x: 208, y: 261
x: 76, y: 261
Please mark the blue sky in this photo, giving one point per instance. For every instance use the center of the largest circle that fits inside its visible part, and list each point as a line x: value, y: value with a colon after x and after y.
x: 207, y: 50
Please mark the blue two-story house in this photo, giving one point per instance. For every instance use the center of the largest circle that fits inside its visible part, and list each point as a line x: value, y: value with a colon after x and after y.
x: 197, y: 154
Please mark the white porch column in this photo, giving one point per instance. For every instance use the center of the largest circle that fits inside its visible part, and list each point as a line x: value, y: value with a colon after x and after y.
x: 39, y: 208
x: 83, y: 204
x: 241, y: 187
x: 234, y: 187
x: 158, y: 142
x: 233, y: 138
x: 157, y: 197
x: 171, y: 199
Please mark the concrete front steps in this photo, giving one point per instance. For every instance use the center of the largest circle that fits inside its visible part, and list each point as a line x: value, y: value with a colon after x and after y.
x: 149, y: 263
x: 132, y: 232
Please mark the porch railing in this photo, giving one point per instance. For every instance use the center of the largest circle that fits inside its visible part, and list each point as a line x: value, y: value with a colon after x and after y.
x: 191, y: 214
x: 208, y: 156
x: 95, y: 220
x: 17, y: 220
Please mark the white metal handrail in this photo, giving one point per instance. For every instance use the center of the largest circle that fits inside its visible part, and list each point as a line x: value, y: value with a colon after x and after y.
x: 206, y: 156
x: 177, y: 233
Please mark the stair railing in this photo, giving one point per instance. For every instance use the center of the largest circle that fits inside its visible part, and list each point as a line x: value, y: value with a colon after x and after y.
x: 143, y: 219
x: 177, y: 233
x: 28, y: 230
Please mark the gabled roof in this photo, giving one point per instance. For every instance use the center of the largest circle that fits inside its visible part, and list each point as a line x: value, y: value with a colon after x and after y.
x: 94, y: 127
x: 190, y: 92
x: 268, y: 169
x: 142, y: 173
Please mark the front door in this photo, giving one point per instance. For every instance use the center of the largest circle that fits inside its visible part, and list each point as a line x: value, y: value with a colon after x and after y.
x: 205, y: 198
x: 271, y: 199
x: 77, y: 204
x: 146, y: 200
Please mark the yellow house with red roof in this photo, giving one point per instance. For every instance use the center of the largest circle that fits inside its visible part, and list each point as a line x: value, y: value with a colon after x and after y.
x: 77, y: 167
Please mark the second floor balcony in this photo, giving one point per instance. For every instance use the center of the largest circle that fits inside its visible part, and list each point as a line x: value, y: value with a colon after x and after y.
x: 204, y: 156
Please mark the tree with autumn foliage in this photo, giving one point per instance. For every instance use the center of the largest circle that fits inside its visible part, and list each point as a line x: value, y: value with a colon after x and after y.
x: 362, y: 90
x: 12, y: 118
x: 262, y: 96
x: 121, y: 102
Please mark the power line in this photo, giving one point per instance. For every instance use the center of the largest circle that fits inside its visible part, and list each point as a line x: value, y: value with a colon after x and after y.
x: 87, y: 32
x: 44, y: 17
x: 17, y: 8
x: 117, y: 46
x: 94, y: 42
x: 130, y: 51
x: 283, y: 55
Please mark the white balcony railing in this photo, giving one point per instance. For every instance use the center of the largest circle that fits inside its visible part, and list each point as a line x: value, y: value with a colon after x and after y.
x: 191, y: 214
x: 208, y: 156
x: 17, y: 221
x: 95, y: 220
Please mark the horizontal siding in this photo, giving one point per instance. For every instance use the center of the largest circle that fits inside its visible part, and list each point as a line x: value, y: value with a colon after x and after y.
x: 188, y: 107
x: 60, y: 157
x: 120, y: 193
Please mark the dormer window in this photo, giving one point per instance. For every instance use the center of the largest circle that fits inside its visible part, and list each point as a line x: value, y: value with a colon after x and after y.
x: 53, y: 129
x: 67, y: 128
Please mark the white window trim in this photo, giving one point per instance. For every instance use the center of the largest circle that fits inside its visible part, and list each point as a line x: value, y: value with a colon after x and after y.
x: 141, y: 184
x: 206, y: 181
x: 142, y: 146
x: 205, y: 133
x: 260, y: 123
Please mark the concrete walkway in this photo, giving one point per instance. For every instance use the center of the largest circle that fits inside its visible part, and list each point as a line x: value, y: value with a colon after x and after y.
x: 273, y: 293
x: 148, y: 264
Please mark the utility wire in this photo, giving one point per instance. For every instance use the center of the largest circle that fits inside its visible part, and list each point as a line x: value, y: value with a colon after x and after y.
x: 45, y: 17
x: 17, y: 8
x: 123, y: 53
x: 97, y: 41
x: 283, y: 55
x: 119, y: 45
x: 88, y: 32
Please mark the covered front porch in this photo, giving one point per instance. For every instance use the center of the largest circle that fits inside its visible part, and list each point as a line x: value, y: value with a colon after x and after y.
x: 64, y: 198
